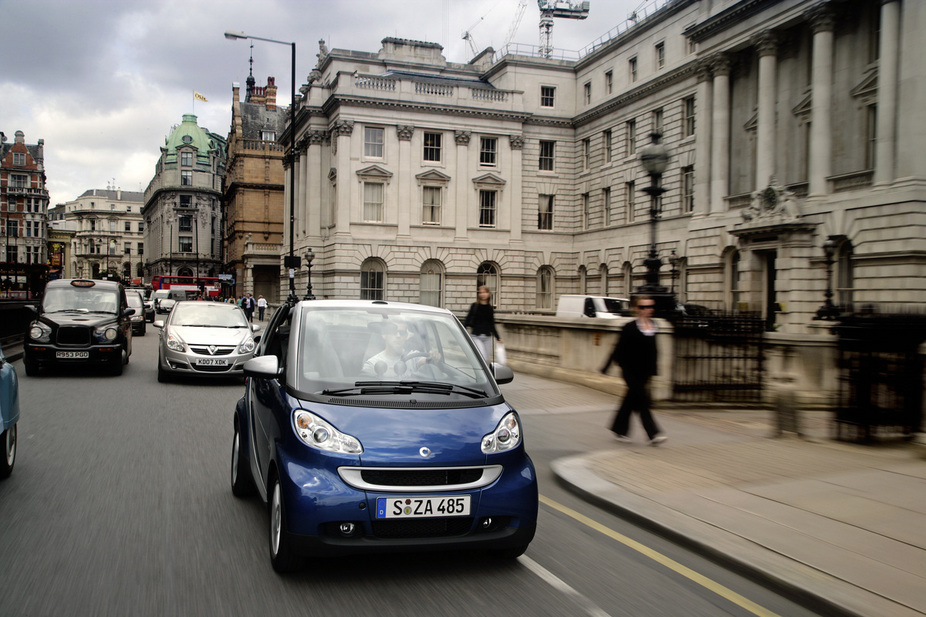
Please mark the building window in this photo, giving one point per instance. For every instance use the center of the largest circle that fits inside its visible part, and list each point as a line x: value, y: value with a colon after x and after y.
x: 431, y: 197
x: 487, y: 208
x: 688, y: 117
x: 186, y: 159
x: 432, y: 147
x: 128, y: 226
x: 547, y: 96
x: 431, y: 284
x: 688, y: 179
x: 660, y: 56
x: 373, y: 202
x: 127, y: 248
x: 141, y: 226
x: 19, y: 181
x: 268, y: 135
x: 185, y: 244
x: 186, y: 201
x: 547, y: 151
x: 373, y: 139
x: 658, y: 120
x: 545, y: 213
x: 630, y: 190
x: 606, y: 200
x: 586, y: 214
x: 871, y: 135
x: 545, y: 288
x: 632, y: 68
x: 19, y: 159
x: 844, y: 275
x: 488, y: 147
x: 586, y: 154
x: 609, y: 82
x: 141, y: 248
x: 186, y: 178
x: 587, y: 90
x: 372, y: 280
x: 186, y: 223
x: 732, y: 280
x: 631, y: 137
x: 606, y: 138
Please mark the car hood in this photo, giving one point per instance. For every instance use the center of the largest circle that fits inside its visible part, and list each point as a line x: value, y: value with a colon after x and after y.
x: 198, y: 335
x: 78, y: 319
x: 397, y: 436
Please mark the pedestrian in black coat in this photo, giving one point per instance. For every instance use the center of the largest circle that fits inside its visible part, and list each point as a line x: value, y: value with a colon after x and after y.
x: 635, y: 353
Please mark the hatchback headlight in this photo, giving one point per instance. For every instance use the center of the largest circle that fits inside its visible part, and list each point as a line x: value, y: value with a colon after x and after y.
x: 175, y: 343
x: 106, y: 334
x: 40, y: 332
x: 317, y: 433
x: 507, y: 435
x: 246, y: 346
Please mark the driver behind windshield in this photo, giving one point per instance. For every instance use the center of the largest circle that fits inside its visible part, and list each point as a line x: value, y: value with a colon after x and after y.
x: 393, y: 362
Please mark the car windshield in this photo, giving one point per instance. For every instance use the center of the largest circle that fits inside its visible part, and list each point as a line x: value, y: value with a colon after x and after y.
x: 207, y: 314
x: 612, y: 305
x: 80, y: 299
x: 134, y: 300
x: 381, y: 350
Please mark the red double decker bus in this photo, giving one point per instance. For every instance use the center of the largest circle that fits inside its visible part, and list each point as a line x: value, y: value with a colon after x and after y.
x: 208, y: 285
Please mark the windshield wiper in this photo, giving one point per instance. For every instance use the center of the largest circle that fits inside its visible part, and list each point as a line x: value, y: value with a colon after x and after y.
x: 405, y: 387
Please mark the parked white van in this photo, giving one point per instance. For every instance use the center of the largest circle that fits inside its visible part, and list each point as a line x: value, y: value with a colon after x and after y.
x: 592, y: 306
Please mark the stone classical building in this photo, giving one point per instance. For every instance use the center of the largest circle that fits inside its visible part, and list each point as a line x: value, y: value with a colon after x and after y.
x: 253, y: 191
x: 23, y: 207
x: 789, y: 124
x: 108, y: 234
x: 182, y: 212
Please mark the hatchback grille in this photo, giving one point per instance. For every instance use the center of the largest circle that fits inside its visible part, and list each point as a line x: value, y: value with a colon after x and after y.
x: 420, y: 477
x: 71, y: 335
x: 422, y: 528
x: 211, y: 369
x: 220, y: 351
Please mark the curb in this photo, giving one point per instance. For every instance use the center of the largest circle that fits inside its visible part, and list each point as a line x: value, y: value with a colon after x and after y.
x: 755, y: 562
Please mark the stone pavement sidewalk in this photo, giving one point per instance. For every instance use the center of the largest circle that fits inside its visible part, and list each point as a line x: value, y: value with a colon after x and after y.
x: 840, y: 527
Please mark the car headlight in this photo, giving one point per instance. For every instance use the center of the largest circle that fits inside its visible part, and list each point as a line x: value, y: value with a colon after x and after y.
x: 507, y: 435
x: 317, y: 433
x: 175, y: 343
x: 246, y: 346
x: 106, y: 334
x: 40, y: 332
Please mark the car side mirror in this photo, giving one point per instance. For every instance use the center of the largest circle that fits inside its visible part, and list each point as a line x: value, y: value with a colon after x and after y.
x: 128, y: 312
x: 263, y: 367
x: 502, y: 372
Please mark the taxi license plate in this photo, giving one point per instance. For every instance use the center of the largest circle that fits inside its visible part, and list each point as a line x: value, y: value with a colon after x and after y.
x: 211, y: 362
x: 422, y: 507
x: 68, y: 355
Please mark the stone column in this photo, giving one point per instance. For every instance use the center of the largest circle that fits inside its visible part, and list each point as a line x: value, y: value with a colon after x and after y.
x: 703, y: 105
x: 302, y: 188
x: 767, y: 46
x: 515, y: 187
x: 889, y: 52
x: 463, y: 186
x: 314, y: 177
x: 347, y: 185
x: 720, y: 134
x: 821, y: 134
x: 287, y: 187
x: 405, y: 179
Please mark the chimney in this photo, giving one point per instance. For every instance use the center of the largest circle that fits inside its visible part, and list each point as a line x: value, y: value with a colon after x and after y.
x: 271, y: 94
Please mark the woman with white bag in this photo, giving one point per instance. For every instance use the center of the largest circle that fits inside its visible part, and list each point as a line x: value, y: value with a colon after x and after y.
x: 481, y: 322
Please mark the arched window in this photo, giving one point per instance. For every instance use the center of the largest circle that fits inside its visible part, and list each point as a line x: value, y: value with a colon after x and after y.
x: 628, y: 278
x: 373, y: 279
x: 845, y: 279
x: 603, y: 279
x: 431, y: 283
x: 487, y: 274
x: 184, y: 272
x: 583, y: 280
x: 545, y: 284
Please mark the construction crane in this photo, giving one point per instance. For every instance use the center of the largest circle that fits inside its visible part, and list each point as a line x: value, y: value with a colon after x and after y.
x: 519, y: 13
x: 549, y: 9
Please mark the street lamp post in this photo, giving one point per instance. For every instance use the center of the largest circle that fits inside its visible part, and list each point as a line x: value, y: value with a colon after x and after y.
x: 828, y: 311
x: 655, y: 158
x: 292, y: 261
x: 309, y: 256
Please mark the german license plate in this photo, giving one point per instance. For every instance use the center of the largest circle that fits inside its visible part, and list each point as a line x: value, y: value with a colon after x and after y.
x: 72, y: 355
x: 422, y: 507
x: 211, y: 362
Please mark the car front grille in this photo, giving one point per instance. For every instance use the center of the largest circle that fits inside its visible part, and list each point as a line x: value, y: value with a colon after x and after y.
x: 211, y: 369
x: 420, y: 477
x: 219, y: 351
x: 73, y: 335
x: 422, y: 528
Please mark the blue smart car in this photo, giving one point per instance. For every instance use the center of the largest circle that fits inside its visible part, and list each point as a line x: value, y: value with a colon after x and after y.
x: 375, y: 426
x: 9, y: 415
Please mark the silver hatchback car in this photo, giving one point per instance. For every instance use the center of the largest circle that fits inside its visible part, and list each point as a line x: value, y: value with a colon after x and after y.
x: 204, y: 338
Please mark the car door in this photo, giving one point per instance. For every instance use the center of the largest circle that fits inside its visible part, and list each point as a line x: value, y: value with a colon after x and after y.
x: 264, y: 395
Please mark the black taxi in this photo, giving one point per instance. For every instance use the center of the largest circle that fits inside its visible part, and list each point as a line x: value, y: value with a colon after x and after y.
x: 80, y: 322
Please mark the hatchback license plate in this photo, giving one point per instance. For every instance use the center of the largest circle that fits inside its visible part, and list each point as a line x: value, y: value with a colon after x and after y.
x: 68, y: 355
x: 211, y: 362
x: 422, y: 507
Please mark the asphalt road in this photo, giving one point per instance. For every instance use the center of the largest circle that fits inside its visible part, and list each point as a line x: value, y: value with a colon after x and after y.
x: 120, y: 505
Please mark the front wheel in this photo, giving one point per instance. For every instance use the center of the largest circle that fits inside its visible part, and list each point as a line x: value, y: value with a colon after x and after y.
x: 8, y: 454
x: 163, y: 376
x: 242, y: 483
x: 32, y: 367
x: 282, y: 556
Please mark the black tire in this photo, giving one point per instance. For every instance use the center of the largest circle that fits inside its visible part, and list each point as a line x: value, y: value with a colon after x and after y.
x: 163, y: 376
x: 7, y: 451
x: 117, y: 368
x: 282, y: 556
x: 32, y: 368
x: 509, y: 553
x: 242, y: 483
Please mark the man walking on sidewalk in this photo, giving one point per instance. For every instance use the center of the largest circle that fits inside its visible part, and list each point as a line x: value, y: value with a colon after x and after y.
x: 635, y: 353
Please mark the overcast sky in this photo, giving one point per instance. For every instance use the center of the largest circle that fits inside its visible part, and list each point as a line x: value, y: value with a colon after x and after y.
x: 104, y: 81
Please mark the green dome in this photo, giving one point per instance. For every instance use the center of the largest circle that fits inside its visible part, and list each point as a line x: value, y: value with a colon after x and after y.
x: 190, y: 134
